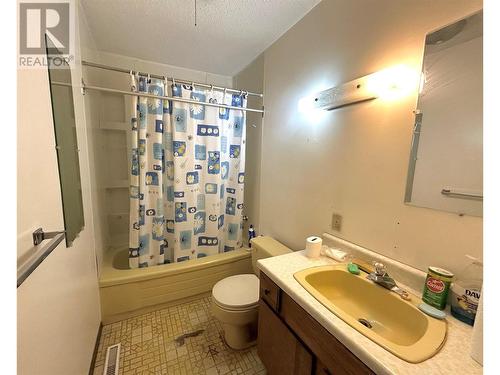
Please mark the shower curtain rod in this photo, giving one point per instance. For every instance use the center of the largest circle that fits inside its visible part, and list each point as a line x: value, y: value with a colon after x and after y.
x: 171, y: 79
x: 146, y: 95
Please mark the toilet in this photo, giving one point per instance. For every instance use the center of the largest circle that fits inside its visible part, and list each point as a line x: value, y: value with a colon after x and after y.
x: 235, y: 299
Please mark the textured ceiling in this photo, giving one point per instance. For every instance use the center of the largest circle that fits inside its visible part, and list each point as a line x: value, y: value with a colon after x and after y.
x: 229, y: 35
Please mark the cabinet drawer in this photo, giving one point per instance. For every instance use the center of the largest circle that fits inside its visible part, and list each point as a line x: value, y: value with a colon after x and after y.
x: 269, y: 291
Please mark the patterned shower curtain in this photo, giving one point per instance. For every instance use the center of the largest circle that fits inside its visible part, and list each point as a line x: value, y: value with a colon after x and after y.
x: 187, y: 174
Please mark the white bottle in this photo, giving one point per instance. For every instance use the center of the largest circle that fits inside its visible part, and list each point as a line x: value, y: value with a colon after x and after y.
x: 476, y: 351
x: 466, y: 291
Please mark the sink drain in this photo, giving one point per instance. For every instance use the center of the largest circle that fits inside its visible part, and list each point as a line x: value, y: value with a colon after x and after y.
x: 365, y: 322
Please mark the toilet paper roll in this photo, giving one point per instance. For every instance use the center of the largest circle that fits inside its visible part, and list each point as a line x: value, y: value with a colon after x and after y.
x: 313, y: 246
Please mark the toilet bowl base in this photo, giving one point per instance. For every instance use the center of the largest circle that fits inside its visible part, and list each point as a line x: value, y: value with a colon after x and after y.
x: 240, y: 337
x: 240, y: 327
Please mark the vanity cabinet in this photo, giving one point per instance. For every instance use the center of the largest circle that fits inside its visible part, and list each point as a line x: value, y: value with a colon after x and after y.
x: 279, y: 349
x: 290, y: 341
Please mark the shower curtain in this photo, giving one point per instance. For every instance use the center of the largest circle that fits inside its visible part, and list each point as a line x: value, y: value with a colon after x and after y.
x: 187, y: 174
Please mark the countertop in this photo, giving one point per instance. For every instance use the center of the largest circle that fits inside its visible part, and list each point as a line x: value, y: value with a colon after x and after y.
x: 453, y: 358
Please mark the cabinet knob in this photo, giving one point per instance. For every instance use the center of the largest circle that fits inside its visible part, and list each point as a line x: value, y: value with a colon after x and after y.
x: 266, y: 291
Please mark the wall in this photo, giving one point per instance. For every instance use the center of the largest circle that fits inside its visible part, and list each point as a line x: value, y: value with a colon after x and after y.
x: 353, y: 160
x: 58, y: 305
x: 252, y: 79
x: 109, y: 117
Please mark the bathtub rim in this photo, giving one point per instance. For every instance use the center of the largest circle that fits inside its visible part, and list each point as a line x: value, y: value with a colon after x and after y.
x: 111, y: 276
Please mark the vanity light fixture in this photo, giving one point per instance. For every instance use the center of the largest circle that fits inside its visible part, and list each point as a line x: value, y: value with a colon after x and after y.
x: 388, y: 84
x: 354, y: 91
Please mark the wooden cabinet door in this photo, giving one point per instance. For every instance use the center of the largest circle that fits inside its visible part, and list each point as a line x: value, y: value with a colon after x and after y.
x: 321, y: 369
x: 333, y: 357
x: 278, y: 348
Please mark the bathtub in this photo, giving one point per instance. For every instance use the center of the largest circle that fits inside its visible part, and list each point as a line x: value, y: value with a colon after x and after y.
x: 127, y: 292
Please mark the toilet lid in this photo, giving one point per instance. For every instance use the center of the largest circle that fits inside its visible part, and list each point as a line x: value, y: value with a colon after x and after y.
x: 237, y: 292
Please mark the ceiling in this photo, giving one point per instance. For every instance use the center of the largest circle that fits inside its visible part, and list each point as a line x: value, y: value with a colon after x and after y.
x: 228, y: 36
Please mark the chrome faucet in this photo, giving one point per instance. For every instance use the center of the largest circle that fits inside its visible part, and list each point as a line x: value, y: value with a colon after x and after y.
x: 381, y: 277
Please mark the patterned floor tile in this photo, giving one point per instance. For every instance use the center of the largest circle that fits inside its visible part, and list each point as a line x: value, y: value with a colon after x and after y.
x: 151, y: 344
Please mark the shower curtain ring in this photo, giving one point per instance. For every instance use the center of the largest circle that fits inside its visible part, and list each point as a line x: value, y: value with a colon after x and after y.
x: 149, y: 78
x: 132, y: 81
x: 165, y: 84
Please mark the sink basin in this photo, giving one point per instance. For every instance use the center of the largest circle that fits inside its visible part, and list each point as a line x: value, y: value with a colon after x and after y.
x: 379, y: 314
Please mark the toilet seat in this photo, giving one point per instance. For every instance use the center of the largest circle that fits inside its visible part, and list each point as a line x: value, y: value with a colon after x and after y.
x: 239, y: 292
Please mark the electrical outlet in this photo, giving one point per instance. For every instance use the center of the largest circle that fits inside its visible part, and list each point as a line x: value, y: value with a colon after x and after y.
x: 336, y: 222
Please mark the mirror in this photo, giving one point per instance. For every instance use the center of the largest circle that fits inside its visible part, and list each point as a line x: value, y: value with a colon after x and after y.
x: 446, y: 160
x: 63, y: 115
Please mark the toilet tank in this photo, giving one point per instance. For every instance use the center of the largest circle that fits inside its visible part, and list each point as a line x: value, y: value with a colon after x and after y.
x: 266, y: 247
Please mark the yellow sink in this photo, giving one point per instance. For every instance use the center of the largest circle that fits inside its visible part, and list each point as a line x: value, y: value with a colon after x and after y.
x: 379, y: 314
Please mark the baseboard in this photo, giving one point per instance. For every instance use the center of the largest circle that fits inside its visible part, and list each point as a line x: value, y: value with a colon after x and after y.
x: 96, y: 347
x: 144, y: 310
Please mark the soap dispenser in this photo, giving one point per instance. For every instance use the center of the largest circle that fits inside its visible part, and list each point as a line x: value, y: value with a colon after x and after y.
x: 466, y: 291
x: 251, y: 234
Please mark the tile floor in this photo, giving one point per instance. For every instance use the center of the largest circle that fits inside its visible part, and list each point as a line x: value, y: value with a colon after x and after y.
x: 148, y: 344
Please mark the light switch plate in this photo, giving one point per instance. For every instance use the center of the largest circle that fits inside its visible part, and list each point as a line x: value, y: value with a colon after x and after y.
x: 337, y: 222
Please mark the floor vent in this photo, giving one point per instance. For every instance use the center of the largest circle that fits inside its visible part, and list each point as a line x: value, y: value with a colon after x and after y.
x: 112, y: 360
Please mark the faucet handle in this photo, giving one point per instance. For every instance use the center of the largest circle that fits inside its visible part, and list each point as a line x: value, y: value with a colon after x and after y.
x: 380, y: 269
